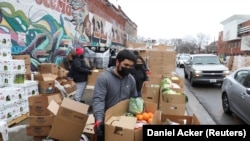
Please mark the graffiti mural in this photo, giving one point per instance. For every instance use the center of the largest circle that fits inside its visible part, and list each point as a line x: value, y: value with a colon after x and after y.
x: 48, y: 29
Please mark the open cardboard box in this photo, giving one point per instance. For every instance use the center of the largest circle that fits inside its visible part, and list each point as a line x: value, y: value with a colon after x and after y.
x: 69, y: 121
x: 38, y: 103
x: 46, y: 82
x: 173, y: 104
x: 160, y: 118
x: 120, y: 127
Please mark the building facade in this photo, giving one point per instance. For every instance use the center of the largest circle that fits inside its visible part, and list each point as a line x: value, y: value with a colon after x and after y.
x: 48, y: 29
x: 235, y: 37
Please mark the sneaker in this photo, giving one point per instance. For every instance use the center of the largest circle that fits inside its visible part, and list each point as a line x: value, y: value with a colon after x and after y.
x: 82, y: 101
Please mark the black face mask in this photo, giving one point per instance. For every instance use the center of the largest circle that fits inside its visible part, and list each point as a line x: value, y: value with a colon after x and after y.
x: 138, y: 66
x: 81, y: 56
x: 124, y: 71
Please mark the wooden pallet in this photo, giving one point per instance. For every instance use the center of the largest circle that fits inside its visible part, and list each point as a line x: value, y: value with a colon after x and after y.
x: 18, y: 119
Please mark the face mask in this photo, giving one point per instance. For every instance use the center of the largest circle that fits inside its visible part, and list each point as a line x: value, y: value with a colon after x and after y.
x: 124, y: 71
x: 138, y: 66
x: 81, y: 56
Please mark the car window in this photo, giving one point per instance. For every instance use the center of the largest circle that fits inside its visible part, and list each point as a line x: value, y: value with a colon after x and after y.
x: 241, y: 76
x: 247, y: 82
x: 197, y: 60
x: 184, y: 57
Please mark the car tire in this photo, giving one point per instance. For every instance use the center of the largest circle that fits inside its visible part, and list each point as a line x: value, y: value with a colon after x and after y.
x: 191, y: 80
x: 225, y: 104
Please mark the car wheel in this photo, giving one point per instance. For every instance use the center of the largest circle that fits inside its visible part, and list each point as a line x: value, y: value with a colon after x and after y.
x: 225, y: 104
x: 191, y: 80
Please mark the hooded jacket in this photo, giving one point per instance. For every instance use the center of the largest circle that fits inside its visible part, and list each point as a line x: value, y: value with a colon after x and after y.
x: 110, y: 90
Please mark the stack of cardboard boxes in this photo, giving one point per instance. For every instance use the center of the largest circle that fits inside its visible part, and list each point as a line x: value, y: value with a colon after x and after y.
x: 40, y: 118
x: 164, y: 106
x: 51, y: 114
x: 15, y: 90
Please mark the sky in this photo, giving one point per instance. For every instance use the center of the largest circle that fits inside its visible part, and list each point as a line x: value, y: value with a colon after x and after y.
x: 168, y: 19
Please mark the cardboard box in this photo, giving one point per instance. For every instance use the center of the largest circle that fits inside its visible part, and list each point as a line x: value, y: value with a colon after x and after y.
x: 150, y: 92
x: 122, y: 128
x: 39, y: 110
x: 70, y: 119
x: 92, y: 78
x: 40, y: 120
x: 173, y: 104
x: 160, y: 118
x: 69, y: 86
x: 38, y: 130
x: 154, y: 78
x: 38, y: 103
x: 50, y: 68
x: 44, y: 99
x: 62, y: 73
x: 28, y: 69
x: 176, y: 79
x: 26, y: 58
x: 46, y: 83
x: 88, y: 130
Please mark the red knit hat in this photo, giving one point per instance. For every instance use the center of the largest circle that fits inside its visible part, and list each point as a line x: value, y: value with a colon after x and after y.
x: 79, y: 51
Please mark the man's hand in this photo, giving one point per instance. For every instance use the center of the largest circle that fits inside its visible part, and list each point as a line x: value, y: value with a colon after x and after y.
x: 99, y: 130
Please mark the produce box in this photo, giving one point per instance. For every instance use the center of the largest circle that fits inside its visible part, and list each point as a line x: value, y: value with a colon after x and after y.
x: 12, y: 66
x: 150, y: 92
x: 121, y: 127
x: 172, y: 103
x: 161, y: 118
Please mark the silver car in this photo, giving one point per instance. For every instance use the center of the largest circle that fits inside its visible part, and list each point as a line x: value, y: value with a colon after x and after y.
x: 181, y: 59
x: 236, y: 94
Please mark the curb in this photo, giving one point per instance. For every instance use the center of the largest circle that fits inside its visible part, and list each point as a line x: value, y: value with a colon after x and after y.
x: 193, y: 106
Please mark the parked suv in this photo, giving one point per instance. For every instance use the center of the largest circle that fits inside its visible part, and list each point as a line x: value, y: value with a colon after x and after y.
x: 205, y: 68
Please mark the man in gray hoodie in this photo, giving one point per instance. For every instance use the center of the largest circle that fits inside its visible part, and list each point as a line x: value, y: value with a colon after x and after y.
x: 112, y: 86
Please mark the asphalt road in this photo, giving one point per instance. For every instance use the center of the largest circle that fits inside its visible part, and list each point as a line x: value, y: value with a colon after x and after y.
x: 209, y: 97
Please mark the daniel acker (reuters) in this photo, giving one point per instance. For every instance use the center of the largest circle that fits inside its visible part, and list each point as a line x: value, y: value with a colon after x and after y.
x: 190, y: 132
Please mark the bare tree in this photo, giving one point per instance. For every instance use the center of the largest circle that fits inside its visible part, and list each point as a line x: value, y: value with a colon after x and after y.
x: 176, y: 42
x: 202, y: 40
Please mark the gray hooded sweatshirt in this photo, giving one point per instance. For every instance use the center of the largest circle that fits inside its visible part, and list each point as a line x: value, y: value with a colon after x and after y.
x: 110, y: 90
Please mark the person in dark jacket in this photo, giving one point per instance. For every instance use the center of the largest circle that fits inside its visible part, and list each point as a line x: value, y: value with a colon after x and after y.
x: 112, y: 58
x: 136, y: 52
x: 79, y: 73
x: 112, y: 86
x: 139, y: 74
